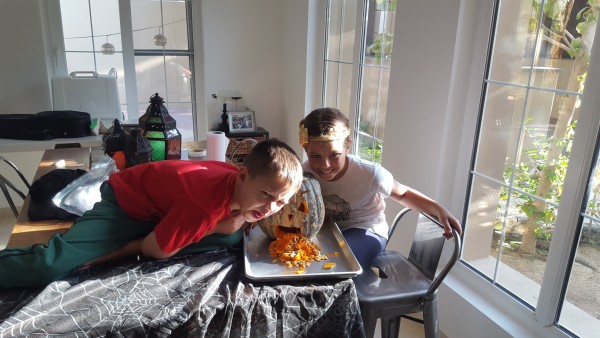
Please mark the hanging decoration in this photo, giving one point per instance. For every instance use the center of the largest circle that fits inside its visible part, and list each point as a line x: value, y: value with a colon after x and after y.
x: 108, y: 48
x: 160, y: 40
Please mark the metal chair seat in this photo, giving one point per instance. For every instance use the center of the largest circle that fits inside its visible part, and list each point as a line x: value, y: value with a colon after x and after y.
x: 396, y: 285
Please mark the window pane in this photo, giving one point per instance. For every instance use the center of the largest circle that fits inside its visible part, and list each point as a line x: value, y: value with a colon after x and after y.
x: 512, y: 55
x: 338, y: 86
x: 80, y: 61
x: 150, y: 75
x: 500, y: 130
x: 175, y: 21
x: 340, y: 30
x: 148, y: 21
x: 379, y: 37
x: 374, y: 91
x: 77, y: 29
x: 106, y: 24
x: 178, y: 72
x: 369, y: 148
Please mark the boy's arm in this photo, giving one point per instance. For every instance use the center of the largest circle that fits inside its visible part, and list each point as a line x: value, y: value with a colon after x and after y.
x: 148, y: 246
x: 130, y: 249
x: 418, y: 201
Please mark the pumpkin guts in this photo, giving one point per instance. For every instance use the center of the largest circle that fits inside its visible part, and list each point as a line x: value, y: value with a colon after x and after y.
x: 295, y: 251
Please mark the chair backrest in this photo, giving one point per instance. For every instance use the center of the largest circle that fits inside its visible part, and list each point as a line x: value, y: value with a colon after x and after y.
x: 427, y: 247
x: 5, y: 183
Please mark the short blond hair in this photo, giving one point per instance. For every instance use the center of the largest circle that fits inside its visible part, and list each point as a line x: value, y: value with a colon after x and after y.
x: 276, y: 158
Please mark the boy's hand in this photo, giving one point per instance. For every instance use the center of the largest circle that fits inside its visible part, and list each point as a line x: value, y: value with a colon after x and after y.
x: 230, y: 224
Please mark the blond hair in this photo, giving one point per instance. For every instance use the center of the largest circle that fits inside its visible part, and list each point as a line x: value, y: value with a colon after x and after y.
x: 274, y: 157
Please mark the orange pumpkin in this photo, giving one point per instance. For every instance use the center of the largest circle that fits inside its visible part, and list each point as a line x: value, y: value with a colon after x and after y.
x: 304, y: 213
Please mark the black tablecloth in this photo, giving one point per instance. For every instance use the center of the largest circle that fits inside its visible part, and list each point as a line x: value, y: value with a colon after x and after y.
x: 202, y: 295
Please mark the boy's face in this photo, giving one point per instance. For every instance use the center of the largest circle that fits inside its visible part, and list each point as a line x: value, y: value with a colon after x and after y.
x: 328, y: 159
x: 262, y: 195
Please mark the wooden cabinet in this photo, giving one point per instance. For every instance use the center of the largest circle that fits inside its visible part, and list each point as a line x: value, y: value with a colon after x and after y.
x: 243, y: 147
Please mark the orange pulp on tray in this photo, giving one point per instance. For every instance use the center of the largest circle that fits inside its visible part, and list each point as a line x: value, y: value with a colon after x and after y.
x: 294, y: 250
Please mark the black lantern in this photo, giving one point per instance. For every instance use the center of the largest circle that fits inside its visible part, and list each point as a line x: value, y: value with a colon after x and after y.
x: 115, y: 140
x: 137, y: 149
x: 160, y: 129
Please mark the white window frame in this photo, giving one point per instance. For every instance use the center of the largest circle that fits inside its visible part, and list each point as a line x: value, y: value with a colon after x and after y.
x: 358, y: 57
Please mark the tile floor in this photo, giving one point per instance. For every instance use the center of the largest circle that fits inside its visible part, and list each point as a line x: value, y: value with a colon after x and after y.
x: 408, y: 329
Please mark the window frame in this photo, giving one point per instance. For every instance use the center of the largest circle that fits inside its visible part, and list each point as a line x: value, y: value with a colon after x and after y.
x: 465, y: 279
x: 358, y: 64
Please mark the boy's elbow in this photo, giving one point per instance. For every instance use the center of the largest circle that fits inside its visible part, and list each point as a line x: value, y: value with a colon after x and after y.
x: 156, y: 253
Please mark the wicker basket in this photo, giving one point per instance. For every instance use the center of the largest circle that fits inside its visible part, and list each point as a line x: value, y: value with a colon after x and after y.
x: 243, y: 148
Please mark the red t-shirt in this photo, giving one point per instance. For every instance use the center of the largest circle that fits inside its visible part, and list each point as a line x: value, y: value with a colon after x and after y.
x: 186, y: 198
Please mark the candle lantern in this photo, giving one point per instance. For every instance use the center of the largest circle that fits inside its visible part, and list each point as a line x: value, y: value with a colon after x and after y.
x: 137, y: 149
x: 160, y: 130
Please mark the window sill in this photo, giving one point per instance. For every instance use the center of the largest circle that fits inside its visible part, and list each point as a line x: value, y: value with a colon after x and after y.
x: 503, y: 312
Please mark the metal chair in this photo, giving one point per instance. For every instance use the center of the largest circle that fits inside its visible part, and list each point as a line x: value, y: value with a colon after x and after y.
x: 396, y: 286
x: 5, y: 184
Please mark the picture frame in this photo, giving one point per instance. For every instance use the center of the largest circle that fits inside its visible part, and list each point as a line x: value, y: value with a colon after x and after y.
x: 241, y: 121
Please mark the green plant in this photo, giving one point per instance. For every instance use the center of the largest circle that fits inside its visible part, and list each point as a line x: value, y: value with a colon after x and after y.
x: 527, y: 176
x: 372, y: 153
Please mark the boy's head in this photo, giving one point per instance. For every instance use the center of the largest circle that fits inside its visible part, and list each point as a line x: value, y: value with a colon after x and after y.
x: 270, y: 176
x: 325, y: 136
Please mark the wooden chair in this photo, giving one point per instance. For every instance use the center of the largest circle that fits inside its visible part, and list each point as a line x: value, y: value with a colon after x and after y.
x: 5, y: 183
x: 396, y: 285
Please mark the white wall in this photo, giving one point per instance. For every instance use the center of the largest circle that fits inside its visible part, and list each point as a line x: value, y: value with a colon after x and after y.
x: 418, y: 97
x: 24, y: 84
x: 243, y: 51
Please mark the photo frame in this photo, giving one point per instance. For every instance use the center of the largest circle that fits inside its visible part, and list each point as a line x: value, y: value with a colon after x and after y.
x: 241, y: 121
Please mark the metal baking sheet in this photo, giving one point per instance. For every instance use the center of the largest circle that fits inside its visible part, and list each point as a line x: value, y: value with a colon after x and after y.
x: 259, y: 265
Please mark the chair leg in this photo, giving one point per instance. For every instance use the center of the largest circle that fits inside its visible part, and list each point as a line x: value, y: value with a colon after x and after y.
x: 369, y: 323
x: 390, y: 327
x: 430, y: 319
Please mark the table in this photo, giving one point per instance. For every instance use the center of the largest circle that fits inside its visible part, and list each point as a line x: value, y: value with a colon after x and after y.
x: 9, y: 145
x: 201, y: 295
x: 26, y: 232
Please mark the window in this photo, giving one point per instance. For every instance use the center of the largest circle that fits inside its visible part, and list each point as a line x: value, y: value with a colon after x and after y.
x: 532, y: 224
x: 149, y: 45
x: 358, y: 86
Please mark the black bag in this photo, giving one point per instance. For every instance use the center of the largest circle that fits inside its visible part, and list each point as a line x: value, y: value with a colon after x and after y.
x: 22, y: 127
x: 45, y: 125
x: 45, y: 188
x: 65, y: 123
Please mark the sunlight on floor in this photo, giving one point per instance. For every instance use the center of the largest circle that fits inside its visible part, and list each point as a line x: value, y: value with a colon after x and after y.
x: 7, y: 220
x: 408, y: 328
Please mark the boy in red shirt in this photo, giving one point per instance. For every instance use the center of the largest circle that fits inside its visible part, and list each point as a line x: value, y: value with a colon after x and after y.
x: 162, y: 208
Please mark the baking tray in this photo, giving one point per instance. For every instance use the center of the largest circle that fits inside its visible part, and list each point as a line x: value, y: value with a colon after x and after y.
x: 259, y: 265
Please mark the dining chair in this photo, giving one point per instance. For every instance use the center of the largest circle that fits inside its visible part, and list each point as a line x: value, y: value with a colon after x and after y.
x: 396, y: 286
x: 5, y: 183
